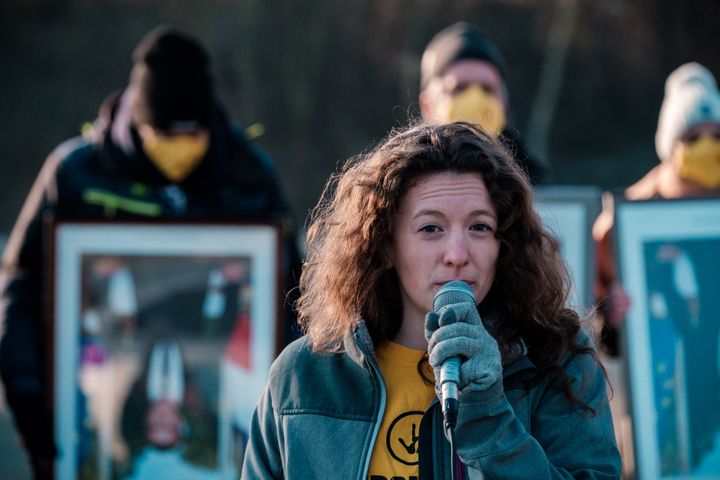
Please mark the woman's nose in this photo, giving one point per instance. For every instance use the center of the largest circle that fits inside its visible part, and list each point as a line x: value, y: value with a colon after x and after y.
x: 456, y: 250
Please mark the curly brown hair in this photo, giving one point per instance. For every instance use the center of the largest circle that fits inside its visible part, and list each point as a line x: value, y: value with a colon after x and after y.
x: 346, y: 276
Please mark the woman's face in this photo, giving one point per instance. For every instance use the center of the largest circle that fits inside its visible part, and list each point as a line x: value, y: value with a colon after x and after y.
x: 163, y: 424
x: 444, y: 230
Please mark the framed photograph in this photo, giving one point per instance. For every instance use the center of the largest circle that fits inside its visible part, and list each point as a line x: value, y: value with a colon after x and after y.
x: 163, y: 338
x: 569, y: 212
x: 669, y: 260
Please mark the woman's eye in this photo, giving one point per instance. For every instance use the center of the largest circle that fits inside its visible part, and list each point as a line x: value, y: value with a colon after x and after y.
x: 429, y: 229
x: 481, y: 227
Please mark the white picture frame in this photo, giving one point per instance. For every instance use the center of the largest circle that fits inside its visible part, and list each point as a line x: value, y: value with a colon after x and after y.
x: 569, y: 211
x: 163, y: 335
x: 669, y: 263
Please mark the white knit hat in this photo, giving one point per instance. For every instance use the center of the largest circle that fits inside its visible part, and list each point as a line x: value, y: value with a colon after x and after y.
x: 691, y: 97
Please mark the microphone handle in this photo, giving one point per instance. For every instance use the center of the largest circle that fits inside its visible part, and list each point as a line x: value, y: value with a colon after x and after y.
x: 449, y: 379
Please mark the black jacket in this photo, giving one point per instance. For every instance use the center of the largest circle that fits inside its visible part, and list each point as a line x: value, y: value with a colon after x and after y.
x: 106, y: 176
x: 535, y: 169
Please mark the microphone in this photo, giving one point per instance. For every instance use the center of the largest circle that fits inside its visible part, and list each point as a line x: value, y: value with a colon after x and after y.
x: 450, y: 294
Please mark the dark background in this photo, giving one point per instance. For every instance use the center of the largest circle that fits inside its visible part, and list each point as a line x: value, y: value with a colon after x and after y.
x: 329, y: 78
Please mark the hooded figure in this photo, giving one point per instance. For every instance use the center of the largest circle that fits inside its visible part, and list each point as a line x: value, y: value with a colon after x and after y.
x: 688, y: 146
x: 161, y: 149
x: 687, y: 138
x: 463, y: 77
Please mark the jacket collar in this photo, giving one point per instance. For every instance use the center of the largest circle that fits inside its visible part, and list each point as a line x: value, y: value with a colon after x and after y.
x: 359, y: 346
x: 522, y: 364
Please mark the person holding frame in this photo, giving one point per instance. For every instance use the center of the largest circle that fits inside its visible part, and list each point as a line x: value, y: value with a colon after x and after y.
x: 687, y: 142
x: 163, y: 149
x: 356, y: 397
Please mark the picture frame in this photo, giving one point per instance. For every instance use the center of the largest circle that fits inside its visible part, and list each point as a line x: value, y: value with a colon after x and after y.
x: 164, y: 334
x: 569, y: 212
x: 669, y: 264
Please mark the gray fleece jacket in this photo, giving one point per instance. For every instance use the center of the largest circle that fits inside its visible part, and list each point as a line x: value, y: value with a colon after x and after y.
x: 319, y: 417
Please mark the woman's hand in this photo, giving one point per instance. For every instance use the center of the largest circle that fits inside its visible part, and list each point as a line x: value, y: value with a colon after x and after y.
x: 458, y: 331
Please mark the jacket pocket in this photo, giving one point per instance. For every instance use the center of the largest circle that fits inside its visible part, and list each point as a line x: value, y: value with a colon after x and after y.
x: 322, y: 446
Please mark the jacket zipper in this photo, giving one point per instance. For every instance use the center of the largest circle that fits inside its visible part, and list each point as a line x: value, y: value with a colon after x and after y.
x: 442, y: 463
x: 381, y: 409
x: 438, y: 439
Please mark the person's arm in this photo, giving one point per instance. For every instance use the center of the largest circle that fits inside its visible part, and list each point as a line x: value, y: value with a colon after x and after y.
x: 23, y: 353
x: 262, y: 455
x: 612, y: 301
x: 566, y: 441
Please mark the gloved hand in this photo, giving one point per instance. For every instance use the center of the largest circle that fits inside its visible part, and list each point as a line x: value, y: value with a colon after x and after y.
x: 458, y: 331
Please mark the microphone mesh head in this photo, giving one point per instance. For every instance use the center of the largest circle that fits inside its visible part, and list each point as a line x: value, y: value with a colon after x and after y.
x: 452, y: 293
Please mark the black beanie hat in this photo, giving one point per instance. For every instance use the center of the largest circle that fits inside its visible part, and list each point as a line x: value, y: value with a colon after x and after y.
x: 461, y: 40
x: 172, y: 79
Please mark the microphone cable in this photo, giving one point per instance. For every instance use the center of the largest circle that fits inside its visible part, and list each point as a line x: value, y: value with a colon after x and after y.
x: 453, y: 453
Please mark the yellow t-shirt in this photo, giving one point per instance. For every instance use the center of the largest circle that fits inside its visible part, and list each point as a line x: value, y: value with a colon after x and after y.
x: 395, y: 455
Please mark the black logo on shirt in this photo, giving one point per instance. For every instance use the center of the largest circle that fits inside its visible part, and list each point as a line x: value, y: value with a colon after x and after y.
x: 402, y: 437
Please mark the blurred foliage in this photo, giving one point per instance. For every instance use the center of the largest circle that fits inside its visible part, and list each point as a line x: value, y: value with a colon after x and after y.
x: 328, y: 79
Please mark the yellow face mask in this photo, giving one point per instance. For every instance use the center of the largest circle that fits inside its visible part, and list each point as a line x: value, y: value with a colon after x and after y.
x: 177, y: 155
x: 699, y: 162
x: 474, y: 105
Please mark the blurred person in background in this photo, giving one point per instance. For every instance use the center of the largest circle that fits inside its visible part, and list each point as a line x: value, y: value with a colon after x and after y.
x: 688, y: 146
x: 463, y: 77
x: 161, y: 149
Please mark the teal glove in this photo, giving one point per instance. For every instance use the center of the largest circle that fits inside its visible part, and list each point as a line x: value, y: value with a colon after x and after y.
x: 458, y: 331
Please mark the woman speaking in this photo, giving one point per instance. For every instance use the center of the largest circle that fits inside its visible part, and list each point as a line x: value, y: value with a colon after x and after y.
x: 358, y: 396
